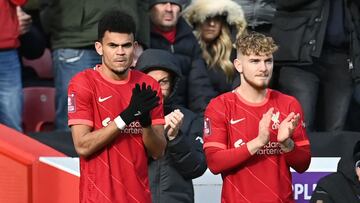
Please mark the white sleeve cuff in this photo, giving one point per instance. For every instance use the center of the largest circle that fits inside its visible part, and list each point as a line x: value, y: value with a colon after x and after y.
x: 120, y: 123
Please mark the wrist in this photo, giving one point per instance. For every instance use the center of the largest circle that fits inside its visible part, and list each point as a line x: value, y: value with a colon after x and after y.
x: 288, y: 145
x: 120, y: 123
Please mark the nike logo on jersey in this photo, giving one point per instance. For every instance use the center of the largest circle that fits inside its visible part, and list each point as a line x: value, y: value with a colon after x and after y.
x: 137, y: 113
x: 104, y: 99
x: 232, y: 121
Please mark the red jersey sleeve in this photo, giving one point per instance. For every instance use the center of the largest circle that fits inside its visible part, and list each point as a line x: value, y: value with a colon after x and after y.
x: 80, y: 101
x: 219, y: 157
x: 18, y: 2
x: 299, y: 158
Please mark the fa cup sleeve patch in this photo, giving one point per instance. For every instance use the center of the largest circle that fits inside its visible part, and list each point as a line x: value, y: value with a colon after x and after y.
x: 207, y: 127
x: 71, y: 103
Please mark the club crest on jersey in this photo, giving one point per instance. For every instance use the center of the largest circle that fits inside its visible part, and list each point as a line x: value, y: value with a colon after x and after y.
x: 71, y: 103
x: 275, y: 119
x: 207, y: 127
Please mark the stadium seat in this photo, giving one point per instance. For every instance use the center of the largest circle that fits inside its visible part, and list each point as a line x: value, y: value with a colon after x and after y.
x: 42, y: 65
x: 39, y: 109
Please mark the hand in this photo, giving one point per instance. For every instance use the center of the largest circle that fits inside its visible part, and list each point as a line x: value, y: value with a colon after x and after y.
x: 145, y: 119
x: 24, y: 19
x: 264, y: 133
x: 142, y: 101
x: 173, y: 122
x: 287, y: 127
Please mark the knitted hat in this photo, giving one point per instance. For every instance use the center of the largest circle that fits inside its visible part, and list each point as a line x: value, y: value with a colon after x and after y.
x: 181, y: 3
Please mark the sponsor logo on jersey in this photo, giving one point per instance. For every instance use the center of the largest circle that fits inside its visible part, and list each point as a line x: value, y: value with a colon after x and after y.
x: 133, y: 128
x: 233, y: 122
x: 102, y: 99
x: 272, y: 148
x: 239, y: 143
x: 71, y: 103
x: 207, y: 126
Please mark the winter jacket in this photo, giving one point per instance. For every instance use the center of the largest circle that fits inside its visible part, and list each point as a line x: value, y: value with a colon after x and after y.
x: 343, y: 185
x: 171, y: 176
x: 258, y: 12
x: 74, y: 24
x: 9, y: 37
x: 303, y: 23
x: 194, y: 90
x: 196, y: 13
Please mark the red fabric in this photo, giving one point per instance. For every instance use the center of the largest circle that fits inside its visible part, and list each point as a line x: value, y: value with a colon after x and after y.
x: 118, y: 173
x: 264, y: 177
x: 169, y: 35
x: 9, y: 24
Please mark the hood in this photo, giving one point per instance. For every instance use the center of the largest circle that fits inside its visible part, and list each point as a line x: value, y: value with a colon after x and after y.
x: 155, y: 59
x: 346, y: 165
x: 199, y: 10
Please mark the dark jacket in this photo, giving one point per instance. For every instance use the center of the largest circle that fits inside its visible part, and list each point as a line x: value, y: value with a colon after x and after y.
x: 342, y: 186
x: 195, y: 90
x: 74, y: 24
x: 171, y: 176
x: 299, y: 28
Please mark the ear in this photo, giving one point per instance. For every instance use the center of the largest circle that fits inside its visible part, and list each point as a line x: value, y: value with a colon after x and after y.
x: 98, y: 47
x: 238, y: 65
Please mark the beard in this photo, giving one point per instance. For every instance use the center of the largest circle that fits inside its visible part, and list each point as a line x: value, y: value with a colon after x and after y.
x: 256, y: 86
x: 120, y: 72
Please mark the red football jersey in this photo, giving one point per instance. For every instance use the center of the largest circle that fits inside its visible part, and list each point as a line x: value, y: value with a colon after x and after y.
x: 230, y: 122
x: 117, y: 173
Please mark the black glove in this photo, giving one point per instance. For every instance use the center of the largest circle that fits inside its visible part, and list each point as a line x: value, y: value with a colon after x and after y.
x: 142, y: 101
x: 145, y: 120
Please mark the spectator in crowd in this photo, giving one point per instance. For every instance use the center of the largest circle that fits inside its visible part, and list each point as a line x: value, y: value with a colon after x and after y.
x: 171, y: 176
x: 116, y: 124
x: 11, y: 97
x: 32, y: 41
x: 258, y: 14
x: 343, y: 185
x: 72, y: 28
x: 254, y: 128
x: 170, y: 32
x: 319, y: 51
x: 213, y: 22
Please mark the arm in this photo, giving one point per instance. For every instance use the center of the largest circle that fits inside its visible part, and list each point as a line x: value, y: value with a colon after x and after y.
x: 199, y: 87
x: 293, y: 140
x: 186, y: 149
x: 87, y: 142
x: 154, y: 140
x: 220, y: 159
x: 18, y: 2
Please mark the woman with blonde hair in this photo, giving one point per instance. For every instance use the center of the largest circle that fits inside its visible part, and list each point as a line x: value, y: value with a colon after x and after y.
x: 216, y: 24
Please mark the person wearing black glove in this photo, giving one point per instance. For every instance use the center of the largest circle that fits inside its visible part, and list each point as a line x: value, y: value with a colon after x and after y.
x: 116, y: 117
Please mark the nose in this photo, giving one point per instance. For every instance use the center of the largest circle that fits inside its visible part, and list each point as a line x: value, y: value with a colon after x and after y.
x: 120, y: 50
x: 168, y: 6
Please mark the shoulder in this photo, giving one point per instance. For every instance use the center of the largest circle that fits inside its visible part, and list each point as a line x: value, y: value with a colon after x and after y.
x: 84, y: 76
x: 222, y: 99
x: 139, y: 77
x: 283, y: 98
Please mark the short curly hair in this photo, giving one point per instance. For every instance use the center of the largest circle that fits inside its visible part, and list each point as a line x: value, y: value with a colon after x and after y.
x: 255, y: 43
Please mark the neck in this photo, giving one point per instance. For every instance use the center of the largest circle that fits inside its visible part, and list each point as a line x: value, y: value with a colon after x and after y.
x: 251, y: 94
x: 118, y: 76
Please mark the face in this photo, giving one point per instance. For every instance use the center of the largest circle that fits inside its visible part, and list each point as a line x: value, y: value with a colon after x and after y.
x: 165, y: 15
x: 211, y: 28
x: 357, y: 169
x: 255, y: 70
x: 117, y: 51
x: 163, y: 79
